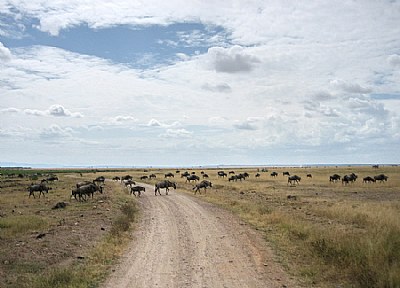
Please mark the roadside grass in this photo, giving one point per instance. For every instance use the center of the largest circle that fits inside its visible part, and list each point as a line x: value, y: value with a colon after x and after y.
x: 328, y: 234
x: 93, y: 269
x: 22, y: 219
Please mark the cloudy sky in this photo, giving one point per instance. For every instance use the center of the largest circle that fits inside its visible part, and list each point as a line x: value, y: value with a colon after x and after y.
x: 181, y: 83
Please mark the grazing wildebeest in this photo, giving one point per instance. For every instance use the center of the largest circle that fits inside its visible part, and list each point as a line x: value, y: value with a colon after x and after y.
x: 163, y: 184
x: 38, y: 188
x: 381, y: 177
x: 129, y: 183
x: 294, y: 179
x: 116, y: 178
x: 205, y: 175
x: 99, y: 180
x: 231, y: 172
x: 169, y: 175
x: 274, y: 174
x: 203, y: 184
x: 138, y: 189
x: 144, y: 177
x: 83, y: 183
x: 334, y: 178
x: 286, y: 173
x: 126, y: 177
x: 185, y: 174
x: 52, y: 178
x: 375, y: 166
x: 152, y: 176
x: 233, y: 178
x: 368, y: 179
x: 86, y: 190
x: 349, y: 178
x: 221, y: 174
x: 309, y: 176
x: 257, y: 175
x: 192, y: 178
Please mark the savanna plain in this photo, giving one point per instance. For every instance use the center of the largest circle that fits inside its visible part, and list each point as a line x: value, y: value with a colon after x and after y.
x: 323, y: 233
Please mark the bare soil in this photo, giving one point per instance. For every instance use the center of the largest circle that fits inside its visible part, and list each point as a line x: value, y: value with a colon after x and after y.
x: 182, y: 241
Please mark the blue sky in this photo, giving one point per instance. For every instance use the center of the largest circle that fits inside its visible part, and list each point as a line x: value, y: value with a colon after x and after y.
x: 181, y: 84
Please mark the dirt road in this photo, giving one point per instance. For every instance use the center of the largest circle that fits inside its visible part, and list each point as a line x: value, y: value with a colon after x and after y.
x: 184, y: 242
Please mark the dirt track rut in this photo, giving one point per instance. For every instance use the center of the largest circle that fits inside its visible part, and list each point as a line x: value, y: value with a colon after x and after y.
x: 184, y: 242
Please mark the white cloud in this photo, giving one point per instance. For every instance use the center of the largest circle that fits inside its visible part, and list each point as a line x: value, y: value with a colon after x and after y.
x: 56, y: 132
x: 177, y: 133
x: 231, y: 60
x: 350, y: 87
x: 5, y: 54
x: 394, y: 60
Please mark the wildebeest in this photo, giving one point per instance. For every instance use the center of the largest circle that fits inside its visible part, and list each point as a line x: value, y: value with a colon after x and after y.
x: 99, y: 180
x: 368, y: 179
x: 144, y: 177
x: 231, y: 172
x: 274, y: 174
x: 221, y: 174
x: 126, y: 177
x: 169, y: 175
x: 138, y: 189
x: 192, y: 178
x: 52, y: 178
x: 205, y: 175
x: 294, y: 179
x: 163, y: 184
x: 152, y: 176
x: 334, y: 178
x: 86, y: 190
x: 381, y: 177
x: 349, y: 178
x: 233, y: 178
x: 309, y: 175
x: 38, y: 188
x: 116, y: 178
x: 203, y: 184
x: 286, y: 173
x: 185, y: 174
x: 83, y: 183
x: 257, y: 175
x: 129, y: 182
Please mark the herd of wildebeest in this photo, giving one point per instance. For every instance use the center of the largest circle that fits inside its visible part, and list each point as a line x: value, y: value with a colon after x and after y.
x: 86, y: 189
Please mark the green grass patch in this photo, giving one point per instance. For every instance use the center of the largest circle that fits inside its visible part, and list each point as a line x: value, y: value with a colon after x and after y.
x: 15, y: 225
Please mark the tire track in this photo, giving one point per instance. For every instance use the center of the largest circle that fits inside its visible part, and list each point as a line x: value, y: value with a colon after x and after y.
x: 184, y: 242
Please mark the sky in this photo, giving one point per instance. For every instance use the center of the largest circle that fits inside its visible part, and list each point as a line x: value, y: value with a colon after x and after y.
x: 195, y: 83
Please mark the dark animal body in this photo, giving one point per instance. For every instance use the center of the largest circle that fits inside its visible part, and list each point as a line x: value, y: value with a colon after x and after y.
x: 349, y: 178
x: 163, y: 184
x: 203, y: 184
x: 192, y: 178
x: 86, y: 191
x: 294, y: 179
x: 41, y: 188
x: 381, y: 177
x: 334, y: 178
x: 138, y: 189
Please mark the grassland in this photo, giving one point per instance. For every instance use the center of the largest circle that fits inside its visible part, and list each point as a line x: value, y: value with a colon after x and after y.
x: 328, y: 235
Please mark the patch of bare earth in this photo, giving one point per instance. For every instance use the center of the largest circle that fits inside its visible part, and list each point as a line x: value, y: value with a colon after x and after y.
x: 184, y: 242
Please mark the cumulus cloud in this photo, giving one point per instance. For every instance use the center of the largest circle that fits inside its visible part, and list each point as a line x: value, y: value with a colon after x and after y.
x: 350, y: 87
x: 10, y: 110
x: 5, y: 54
x: 177, y: 133
x: 222, y: 87
x: 56, y: 132
x: 123, y: 119
x: 231, y: 60
x: 54, y: 110
x: 394, y: 60
x: 154, y: 123
x: 251, y: 123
